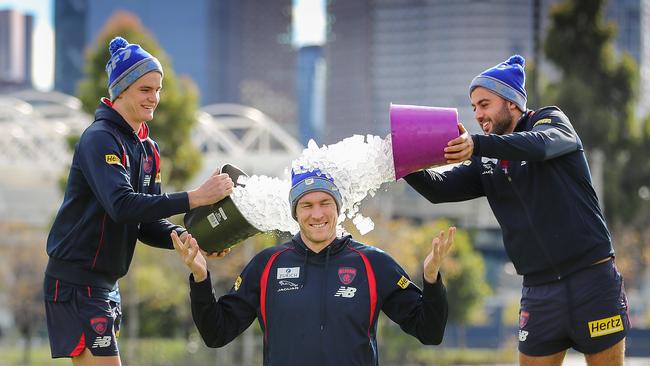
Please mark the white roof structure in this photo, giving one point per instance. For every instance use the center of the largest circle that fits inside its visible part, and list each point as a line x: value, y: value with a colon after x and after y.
x: 245, y: 137
x: 34, y: 153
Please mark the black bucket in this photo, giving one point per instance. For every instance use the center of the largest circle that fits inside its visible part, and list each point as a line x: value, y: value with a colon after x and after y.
x: 220, y: 225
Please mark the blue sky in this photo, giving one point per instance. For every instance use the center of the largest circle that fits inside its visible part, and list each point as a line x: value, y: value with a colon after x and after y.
x: 308, y: 15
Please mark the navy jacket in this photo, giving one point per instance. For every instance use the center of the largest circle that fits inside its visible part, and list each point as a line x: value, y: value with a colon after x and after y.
x: 320, y: 309
x: 112, y: 199
x: 538, y: 184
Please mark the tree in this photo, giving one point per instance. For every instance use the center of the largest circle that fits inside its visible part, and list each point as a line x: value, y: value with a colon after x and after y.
x: 22, y: 260
x: 176, y: 114
x: 463, y: 274
x: 597, y: 91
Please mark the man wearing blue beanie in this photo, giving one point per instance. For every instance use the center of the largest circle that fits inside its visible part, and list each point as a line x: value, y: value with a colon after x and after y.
x: 317, y: 298
x: 112, y: 199
x: 532, y: 168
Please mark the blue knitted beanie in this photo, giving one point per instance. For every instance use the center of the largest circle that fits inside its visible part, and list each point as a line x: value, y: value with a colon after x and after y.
x: 311, y: 181
x: 127, y: 64
x: 507, y: 79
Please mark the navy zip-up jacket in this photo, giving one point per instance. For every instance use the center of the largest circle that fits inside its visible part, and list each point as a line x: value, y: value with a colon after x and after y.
x: 112, y: 199
x: 320, y: 308
x: 539, y: 187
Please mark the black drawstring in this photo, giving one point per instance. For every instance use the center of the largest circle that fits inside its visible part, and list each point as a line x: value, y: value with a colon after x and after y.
x: 323, y: 307
x: 304, y: 266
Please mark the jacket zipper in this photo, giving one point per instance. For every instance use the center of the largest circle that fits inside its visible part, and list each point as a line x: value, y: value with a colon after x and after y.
x: 323, y: 306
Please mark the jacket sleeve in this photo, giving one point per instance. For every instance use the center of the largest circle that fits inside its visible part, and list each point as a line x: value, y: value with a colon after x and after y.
x: 99, y: 156
x: 551, y: 136
x: 156, y: 233
x: 420, y: 313
x: 461, y: 183
x: 221, y: 321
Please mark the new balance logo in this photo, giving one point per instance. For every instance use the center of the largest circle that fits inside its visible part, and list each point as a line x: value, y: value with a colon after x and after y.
x: 102, y: 342
x: 345, y: 292
x: 523, y: 335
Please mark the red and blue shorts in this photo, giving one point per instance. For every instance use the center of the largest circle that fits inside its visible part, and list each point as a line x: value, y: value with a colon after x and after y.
x: 586, y: 311
x: 80, y: 317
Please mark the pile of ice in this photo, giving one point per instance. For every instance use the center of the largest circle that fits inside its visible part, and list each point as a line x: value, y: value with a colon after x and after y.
x: 359, y: 166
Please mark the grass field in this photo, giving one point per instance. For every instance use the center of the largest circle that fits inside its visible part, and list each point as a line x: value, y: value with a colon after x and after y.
x: 171, y: 352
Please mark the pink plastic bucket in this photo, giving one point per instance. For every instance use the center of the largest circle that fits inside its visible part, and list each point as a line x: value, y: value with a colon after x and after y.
x: 419, y: 135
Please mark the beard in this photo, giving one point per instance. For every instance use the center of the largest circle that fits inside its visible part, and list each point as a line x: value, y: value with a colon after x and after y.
x: 502, y: 121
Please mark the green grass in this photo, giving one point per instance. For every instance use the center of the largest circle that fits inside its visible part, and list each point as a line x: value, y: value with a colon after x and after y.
x: 169, y: 352
x: 150, y: 352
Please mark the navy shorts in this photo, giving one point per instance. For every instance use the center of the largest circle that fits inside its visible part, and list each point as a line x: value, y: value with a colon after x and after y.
x: 586, y: 311
x: 80, y: 317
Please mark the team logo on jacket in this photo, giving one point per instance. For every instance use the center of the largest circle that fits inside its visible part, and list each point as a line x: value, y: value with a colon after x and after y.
x: 287, y: 286
x: 347, y: 274
x: 605, y: 326
x: 488, y: 165
x: 543, y: 121
x: 345, y: 292
x: 288, y: 272
x: 99, y: 324
x: 523, y: 318
x: 112, y: 159
x: 403, y: 282
x: 148, y: 164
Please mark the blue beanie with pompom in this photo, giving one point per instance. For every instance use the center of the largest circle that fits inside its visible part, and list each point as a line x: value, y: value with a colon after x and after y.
x: 507, y: 79
x: 311, y: 181
x: 127, y: 64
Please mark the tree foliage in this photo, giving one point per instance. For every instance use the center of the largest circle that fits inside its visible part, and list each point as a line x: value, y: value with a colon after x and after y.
x: 463, y: 272
x: 176, y: 114
x: 598, y: 91
x: 22, y: 263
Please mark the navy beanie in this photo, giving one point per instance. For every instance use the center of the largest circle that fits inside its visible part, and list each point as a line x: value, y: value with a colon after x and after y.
x: 507, y: 79
x: 127, y: 64
x: 311, y: 181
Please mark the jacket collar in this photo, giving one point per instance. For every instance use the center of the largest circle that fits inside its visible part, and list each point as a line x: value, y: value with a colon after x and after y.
x: 523, y: 120
x: 106, y: 112
x: 335, y: 246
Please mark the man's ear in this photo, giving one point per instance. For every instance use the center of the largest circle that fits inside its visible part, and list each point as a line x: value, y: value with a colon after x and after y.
x: 512, y: 107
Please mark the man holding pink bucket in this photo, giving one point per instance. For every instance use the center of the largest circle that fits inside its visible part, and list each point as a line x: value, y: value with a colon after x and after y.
x: 532, y: 168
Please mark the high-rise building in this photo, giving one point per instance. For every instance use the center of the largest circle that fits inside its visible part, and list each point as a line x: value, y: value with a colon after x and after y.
x: 70, y: 41
x: 234, y: 50
x: 632, y: 19
x: 422, y: 52
x: 348, y: 50
x: 310, y: 90
x: 16, y: 40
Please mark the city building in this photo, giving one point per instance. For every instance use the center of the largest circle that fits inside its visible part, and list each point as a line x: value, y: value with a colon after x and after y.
x: 236, y: 51
x: 16, y: 43
x: 632, y: 19
x: 310, y: 93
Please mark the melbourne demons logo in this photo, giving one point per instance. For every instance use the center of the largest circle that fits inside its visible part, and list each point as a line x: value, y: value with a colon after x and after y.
x: 523, y: 318
x: 99, y: 324
x: 148, y: 164
x: 347, y: 274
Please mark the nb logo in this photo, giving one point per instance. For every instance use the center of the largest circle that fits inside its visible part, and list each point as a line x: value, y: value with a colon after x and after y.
x: 523, y: 334
x: 102, y: 342
x: 345, y: 292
